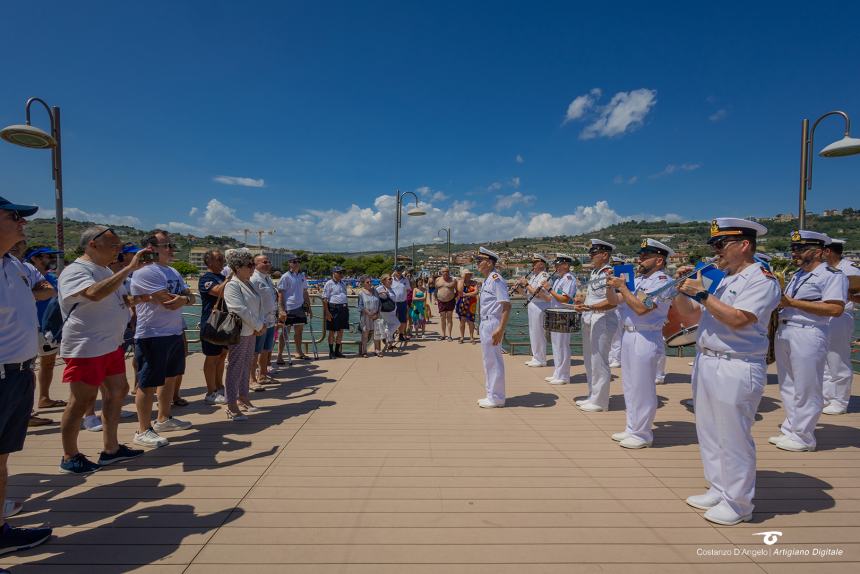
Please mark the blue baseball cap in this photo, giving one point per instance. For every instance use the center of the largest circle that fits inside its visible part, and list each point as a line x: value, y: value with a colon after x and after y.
x: 41, y: 251
x: 130, y: 248
x: 337, y: 269
x: 23, y: 210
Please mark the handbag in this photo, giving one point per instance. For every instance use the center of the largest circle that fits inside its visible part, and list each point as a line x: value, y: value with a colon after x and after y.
x: 223, y: 327
x: 387, y: 305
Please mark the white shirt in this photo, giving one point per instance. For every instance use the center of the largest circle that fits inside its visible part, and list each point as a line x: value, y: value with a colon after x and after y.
x: 850, y: 270
x: 268, y: 296
x: 92, y: 328
x: 18, y: 323
x: 335, y: 292
x: 292, y: 287
x: 754, y: 290
x: 820, y: 284
x: 153, y: 320
x: 535, y: 282
x: 34, y: 276
x: 400, y: 287
x: 654, y: 319
x: 494, y: 292
x: 564, y: 285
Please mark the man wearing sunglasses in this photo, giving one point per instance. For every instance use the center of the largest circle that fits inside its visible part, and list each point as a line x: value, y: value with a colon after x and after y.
x: 294, y: 305
x: 730, y: 372
x: 815, y: 294
x: 18, y: 348
x: 159, y: 345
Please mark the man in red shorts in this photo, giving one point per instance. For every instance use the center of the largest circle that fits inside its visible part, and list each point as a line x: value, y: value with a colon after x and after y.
x: 96, y: 313
x: 446, y: 299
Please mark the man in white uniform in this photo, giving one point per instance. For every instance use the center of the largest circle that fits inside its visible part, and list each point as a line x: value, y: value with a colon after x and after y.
x: 837, y: 368
x: 599, y: 323
x: 615, y: 349
x: 730, y: 372
x: 562, y: 291
x: 815, y: 293
x: 495, y: 310
x: 642, y: 341
x: 539, y: 302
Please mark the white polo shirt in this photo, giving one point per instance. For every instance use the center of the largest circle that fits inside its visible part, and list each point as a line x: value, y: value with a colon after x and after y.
x: 400, y: 288
x: 18, y: 323
x: 292, y: 287
x: 263, y: 284
x: 335, y: 292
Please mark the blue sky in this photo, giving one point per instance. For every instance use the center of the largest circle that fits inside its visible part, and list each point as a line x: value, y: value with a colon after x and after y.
x: 508, y: 118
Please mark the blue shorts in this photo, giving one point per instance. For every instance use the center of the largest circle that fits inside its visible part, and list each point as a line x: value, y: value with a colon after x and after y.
x: 16, y: 404
x: 266, y: 341
x: 159, y: 358
x: 401, y: 311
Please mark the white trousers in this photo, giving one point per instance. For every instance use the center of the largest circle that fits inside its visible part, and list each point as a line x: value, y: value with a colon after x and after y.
x: 727, y: 394
x: 837, y: 366
x: 639, y: 353
x: 800, y: 356
x: 597, y: 332
x: 537, y: 335
x: 561, y: 355
x: 494, y: 367
x: 661, y: 364
x: 615, y: 349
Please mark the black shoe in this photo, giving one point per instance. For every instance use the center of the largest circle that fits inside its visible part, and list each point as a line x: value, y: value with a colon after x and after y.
x: 15, y: 539
x: 78, y: 464
x: 122, y: 453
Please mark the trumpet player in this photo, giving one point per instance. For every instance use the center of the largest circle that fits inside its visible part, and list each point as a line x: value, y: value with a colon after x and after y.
x: 837, y: 368
x: 538, y: 301
x: 641, y: 341
x: 729, y: 373
x: 599, y: 323
x: 562, y: 290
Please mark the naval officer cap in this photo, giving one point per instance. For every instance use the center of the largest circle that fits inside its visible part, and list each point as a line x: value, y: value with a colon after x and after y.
x: 337, y: 269
x: 807, y: 238
x: 483, y: 251
x: 833, y: 241
x: 539, y: 257
x: 600, y: 245
x: 649, y: 245
x: 733, y: 227
x: 763, y: 257
x: 563, y: 258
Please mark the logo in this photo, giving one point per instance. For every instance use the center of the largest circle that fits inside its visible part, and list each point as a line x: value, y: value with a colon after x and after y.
x: 714, y: 228
x: 795, y: 236
x: 770, y: 537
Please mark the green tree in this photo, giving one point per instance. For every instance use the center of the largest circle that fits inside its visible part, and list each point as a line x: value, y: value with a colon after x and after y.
x: 184, y: 267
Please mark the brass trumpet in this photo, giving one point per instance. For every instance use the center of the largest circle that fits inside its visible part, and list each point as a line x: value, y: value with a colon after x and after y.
x: 669, y: 290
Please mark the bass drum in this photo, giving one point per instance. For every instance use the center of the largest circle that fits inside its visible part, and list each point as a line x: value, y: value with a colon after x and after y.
x: 676, y: 333
x: 562, y: 320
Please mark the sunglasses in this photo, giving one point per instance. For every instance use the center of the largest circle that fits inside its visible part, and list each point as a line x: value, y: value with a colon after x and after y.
x: 167, y: 245
x: 801, y: 248
x: 99, y: 234
x: 14, y: 215
x: 721, y: 243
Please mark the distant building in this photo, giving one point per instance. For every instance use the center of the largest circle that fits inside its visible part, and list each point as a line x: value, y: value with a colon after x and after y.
x: 195, y: 257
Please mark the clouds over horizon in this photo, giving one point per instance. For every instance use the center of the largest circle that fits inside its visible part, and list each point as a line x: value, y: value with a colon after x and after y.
x: 241, y: 181
x: 625, y: 112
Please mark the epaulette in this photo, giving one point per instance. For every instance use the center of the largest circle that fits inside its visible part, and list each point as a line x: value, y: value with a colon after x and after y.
x: 767, y: 273
x: 834, y: 269
x: 662, y: 277
x: 495, y: 276
x: 856, y: 265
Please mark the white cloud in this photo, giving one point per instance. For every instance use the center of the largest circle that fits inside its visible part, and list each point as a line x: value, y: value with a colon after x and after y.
x: 91, y: 216
x: 193, y: 212
x: 519, y: 159
x: 243, y: 181
x: 632, y: 179
x: 620, y: 179
x: 515, y: 182
x: 719, y: 115
x: 508, y: 201
x: 581, y: 104
x: 430, y: 195
x: 495, y: 186
x: 625, y: 112
x: 676, y: 168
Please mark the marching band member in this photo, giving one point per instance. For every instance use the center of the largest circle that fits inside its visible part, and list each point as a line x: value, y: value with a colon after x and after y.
x: 837, y: 367
x: 540, y: 301
x: 495, y: 310
x: 615, y: 349
x: 562, y: 290
x: 599, y: 323
x: 642, y: 341
x: 730, y: 372
x: 815, y: 293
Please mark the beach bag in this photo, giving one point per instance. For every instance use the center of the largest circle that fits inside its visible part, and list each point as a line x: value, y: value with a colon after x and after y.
x: 223, y: 327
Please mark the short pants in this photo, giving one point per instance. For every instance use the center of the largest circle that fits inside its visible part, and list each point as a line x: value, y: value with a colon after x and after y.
x: 159, y: 358
x: 266, y: 341
x: 94, y: 370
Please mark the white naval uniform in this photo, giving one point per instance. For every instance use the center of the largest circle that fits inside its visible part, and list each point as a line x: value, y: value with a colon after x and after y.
x: 537, y: 334
x: 729, y: 376
x: 801, y: 351
x: 615, y: 348
x: 598, y: 328
x: 641, y: 347
x: 837, y: 367
x: 494, y: 292
x: 565, y: 285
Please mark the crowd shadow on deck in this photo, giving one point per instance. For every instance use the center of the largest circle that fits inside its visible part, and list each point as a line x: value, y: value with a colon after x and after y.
x: 532, y: 400
x: 668, y: 434
x: 784, y: 493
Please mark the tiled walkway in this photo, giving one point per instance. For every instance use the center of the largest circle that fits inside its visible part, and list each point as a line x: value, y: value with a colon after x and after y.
x: 386, y: 465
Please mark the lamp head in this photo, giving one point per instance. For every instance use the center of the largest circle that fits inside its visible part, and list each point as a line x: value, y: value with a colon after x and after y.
x: 28, y: 136
x: 843, y: 147
x: 416, y: 211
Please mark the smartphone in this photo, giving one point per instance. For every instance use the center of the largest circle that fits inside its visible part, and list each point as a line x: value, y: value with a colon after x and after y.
x: 148, y: 257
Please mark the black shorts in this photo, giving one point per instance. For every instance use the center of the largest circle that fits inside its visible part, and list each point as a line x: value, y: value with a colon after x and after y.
x: 159, y: 358
x: 296, y: 316
x: 339, y: 318
x: 401, y: 309
x: 211, y: 350
x: 16, y: 403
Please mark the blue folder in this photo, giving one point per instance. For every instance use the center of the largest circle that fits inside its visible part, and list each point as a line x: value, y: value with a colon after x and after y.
x: 627, y: 271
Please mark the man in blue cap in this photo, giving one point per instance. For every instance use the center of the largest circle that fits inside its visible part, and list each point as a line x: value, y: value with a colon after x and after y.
x: 18, y: 349
x: 44, y: 261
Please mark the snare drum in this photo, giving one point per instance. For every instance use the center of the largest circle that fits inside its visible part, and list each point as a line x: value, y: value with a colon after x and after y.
x: 676, y: 333
x: 562, y: 320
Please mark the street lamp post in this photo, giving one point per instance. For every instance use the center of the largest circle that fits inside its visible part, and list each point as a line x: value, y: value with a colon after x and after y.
x: 28, y: 136
x: 846, y: 146
x: 415, y: 211
x: 447, y: 231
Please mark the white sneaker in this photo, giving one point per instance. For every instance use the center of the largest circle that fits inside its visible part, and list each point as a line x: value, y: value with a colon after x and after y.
x: 833, y: 409
x: 488, y: 404
x: 620, y: 436
x: 704, y: 501
x: 11, y: 508
x: 659, y: 381
x: 590, y: 407
x: 580, y: 402
x: 614, y: 365
x: 215, y: 398
x: 92, y: 423
x: 793, y: 446
x: 535, y: 363
x: 722, y: 514
x: 170, y: 425
x: 549, y: 378
x: 634, y: 442
x: 149, y: 438
x: 557, y: 382
x: 776, y: 438
x: 127, y: 414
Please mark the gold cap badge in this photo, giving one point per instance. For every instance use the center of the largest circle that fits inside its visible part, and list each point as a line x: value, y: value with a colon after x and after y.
x: 795, y: 236
x: 714, y: 228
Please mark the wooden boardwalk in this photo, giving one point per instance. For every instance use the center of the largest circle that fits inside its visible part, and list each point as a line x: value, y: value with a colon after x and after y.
x: 387, y: 465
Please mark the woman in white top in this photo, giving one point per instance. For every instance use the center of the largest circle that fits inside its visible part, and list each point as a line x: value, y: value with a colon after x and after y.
x: 368, y: 309
x: 390, y: 317
x: 241, y: 298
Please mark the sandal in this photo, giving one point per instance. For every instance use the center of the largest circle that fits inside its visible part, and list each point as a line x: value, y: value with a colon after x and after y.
x: 52, y: 404
x: 236, y: 416
x: 180, y: 402
x: 258, y: 388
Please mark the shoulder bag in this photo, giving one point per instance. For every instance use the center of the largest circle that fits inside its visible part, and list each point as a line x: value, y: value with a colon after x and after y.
x: 223, y: 327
